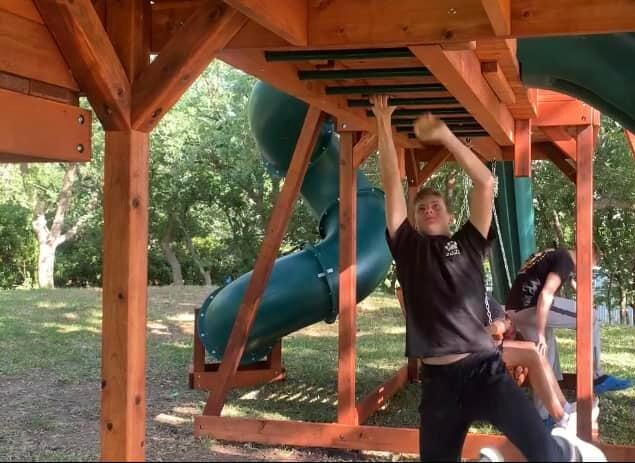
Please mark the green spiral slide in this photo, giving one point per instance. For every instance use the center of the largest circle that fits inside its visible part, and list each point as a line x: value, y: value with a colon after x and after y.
x: 303, y: 287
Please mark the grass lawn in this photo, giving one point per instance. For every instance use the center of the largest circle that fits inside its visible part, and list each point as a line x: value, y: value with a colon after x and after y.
x: 50, y: 361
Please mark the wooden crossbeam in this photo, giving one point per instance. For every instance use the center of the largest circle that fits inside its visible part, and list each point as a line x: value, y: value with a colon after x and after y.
x: 380, y: 396
x: 547, y: 150
x: 496, y: 79
x: 88, y: 51
x: 347, y: 353
x: 460, y: 73
x: 181, y: 61
x: 499, y: 14
x: 584, y: 292
x: 63, y: 131
x: 561, y: 138
x: 486, y: 148
x: 286, y: 18
x: 630, y: 138
x: 522, y: 149
x: 276, y: 228
x: 412, y: 168
x: 364, y: 148
x: 432, y: 165
x: 563, y: 113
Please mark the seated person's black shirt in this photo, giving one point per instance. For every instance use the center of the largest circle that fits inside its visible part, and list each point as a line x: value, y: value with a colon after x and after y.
x: 444, y: 290
x: 532, y: 277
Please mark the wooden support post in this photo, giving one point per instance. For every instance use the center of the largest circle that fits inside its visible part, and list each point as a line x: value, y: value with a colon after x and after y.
x: 346, y: 400
x: 264, y: 264
x: 412, y: 168
x: 522, y: 148
x: 584, y: 242
x: 125, y: 284
x: 561, y: 138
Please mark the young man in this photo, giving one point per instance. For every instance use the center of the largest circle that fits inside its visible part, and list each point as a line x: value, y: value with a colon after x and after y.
x: 536, y: 311
x: 463, y: 376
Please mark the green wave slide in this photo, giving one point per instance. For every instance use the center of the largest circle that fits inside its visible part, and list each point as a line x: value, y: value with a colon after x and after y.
x: 303, y: 287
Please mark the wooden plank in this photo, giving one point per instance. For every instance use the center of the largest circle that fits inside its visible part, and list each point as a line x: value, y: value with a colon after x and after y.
x: 499, y: 14
x: 522, y: 149
x: 487, y: 148
x: 380, y: 396
x: 460, y: 73
x: 432, y: 165
x: 584, y: 293
x: 23, y: 8
x: 496, y: 79
x: 535, y: 18
x: 333, y: 435
x: 43, y: 129
x: 198, y: 349
x: 28, y: 50
x: 386, y: 22
x: 14, y: 83
x: 284, y: 76
x: 124, y: 296
x: 551, y: 152
x: 364, y: 148
x: 630, y: 138
x: 243, y: 379
x: 286, y: 18
x: 564, y: 112
x: 276, y: 228
x: 84, y: 43
x: 53, y: 92
x: 128, y: 24
x: 347, y: 354
x: 181, y: 61
x: 561, y: 138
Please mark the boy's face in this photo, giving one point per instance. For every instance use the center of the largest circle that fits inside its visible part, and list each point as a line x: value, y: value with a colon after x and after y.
x: 432, y: 216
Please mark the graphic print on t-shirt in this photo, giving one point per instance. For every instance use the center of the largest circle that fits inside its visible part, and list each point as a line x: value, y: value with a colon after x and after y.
x: 452, y: 249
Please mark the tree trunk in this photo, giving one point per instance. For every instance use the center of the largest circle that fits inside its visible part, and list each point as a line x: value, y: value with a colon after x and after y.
x: 623, y: 311
x: 608, y: 298
x: 207, y: 276
x: 46, y: 264
x: 170, y: 255
x: 558, y: 228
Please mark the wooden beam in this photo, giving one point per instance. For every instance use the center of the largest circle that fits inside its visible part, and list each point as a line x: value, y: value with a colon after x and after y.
x: 550, y: 151
x: 487, y: 148
x: 563, y: 113
x: 432, y: 165
x: 331, y: 435
x: 38, y: 89
x: 561, y: 138
x: 276, y: 228
x: 380, y: 396
x: 181, y: 61
x: 23, y: 8
x: 460, y: 73
x: 630, y: 138
x: 129, y: 28
x: 540, y: 18
x: 29, y: 50
x: 36, y: 128
x: 364, y: 148
x: 412, y: 168
x: 496, y: 79
x: 286, y: 18
x: 125, y: 284
x: 346, y: 410
x: 244, y: 377
x: 84, y: 43
x: 522, y: 149
x: 584, y: 243
x: 499, y: 14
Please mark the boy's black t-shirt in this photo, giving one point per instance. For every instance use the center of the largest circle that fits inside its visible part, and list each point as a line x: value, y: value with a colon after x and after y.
x: 444, y: 290
x: 533, y: 275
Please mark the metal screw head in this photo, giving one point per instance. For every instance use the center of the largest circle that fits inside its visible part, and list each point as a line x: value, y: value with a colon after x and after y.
x: 80, y: 148
x: 81, y: 119
x: 452, y: 11
x: 344, y: 126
